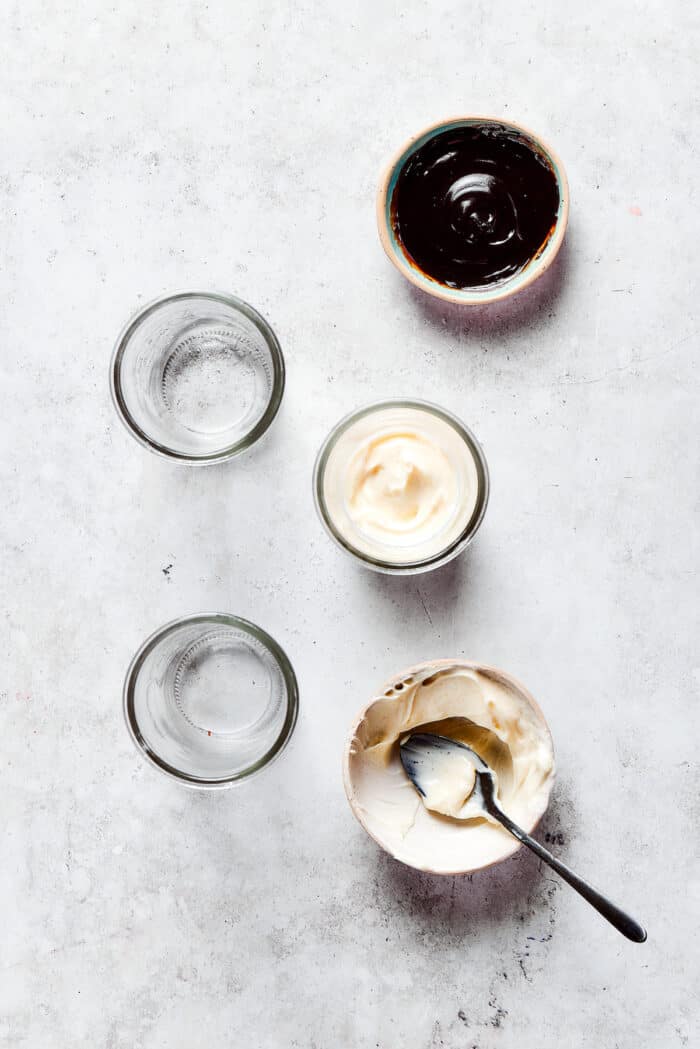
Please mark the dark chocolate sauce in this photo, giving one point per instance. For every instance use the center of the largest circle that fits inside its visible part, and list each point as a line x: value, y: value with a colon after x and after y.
x: 474, y: 205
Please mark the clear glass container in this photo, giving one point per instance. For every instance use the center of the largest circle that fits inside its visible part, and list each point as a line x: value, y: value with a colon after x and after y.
x: 210, y: 699
x: 197, y: 376
x: 384, y: 563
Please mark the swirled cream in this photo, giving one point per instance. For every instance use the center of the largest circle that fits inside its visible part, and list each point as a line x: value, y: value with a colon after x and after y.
x: 401, y: 484
x: 475, y: 705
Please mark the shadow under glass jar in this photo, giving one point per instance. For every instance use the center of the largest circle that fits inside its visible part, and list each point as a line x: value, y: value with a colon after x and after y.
x: 452, y: 437
x: 197, y: 376
x: 210, y: 699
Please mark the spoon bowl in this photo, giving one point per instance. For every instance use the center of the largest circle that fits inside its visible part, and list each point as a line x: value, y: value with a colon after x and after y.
x: 450, y: 777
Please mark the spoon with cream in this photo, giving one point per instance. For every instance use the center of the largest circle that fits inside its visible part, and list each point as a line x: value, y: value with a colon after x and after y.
x: 454, y: 781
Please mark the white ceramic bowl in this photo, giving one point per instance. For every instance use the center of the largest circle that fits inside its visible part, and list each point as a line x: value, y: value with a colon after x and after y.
x: 510, y: 845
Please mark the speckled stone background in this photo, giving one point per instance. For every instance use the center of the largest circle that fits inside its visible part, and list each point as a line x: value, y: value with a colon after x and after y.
x: 149, y: 147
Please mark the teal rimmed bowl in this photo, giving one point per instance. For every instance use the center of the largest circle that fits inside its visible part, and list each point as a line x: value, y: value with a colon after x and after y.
x: 469, y: 296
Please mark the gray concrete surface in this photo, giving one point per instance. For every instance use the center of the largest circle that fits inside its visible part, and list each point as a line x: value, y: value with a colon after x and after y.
x: 236, y: 146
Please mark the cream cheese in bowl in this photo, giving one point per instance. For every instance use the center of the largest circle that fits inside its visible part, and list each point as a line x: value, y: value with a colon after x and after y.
x: 477, y: 705
x: 402, y: 485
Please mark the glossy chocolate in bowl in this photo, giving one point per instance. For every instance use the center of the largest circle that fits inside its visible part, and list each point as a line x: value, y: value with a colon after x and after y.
x: 474, y: 205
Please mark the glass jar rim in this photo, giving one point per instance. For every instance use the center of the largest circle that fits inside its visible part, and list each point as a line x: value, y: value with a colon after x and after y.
x: 291, y: 690
x: 454, y: 548
x: 276, y: 392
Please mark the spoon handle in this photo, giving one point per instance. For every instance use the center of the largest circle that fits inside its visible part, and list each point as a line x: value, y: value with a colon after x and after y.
x: 624, y: 923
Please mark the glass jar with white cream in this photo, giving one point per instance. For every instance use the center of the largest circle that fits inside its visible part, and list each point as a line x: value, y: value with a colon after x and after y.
x: 402, y: 485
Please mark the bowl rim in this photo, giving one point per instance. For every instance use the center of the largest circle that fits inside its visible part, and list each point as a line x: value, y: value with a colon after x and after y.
x: 462, y: 541
x: 277, y: 653
x: 412, y: 671
x: 470, y: 297
x: 248, y: 439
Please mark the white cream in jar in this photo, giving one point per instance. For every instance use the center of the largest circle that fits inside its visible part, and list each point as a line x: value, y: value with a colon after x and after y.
x: 476, y: 705
x: 401, y: 484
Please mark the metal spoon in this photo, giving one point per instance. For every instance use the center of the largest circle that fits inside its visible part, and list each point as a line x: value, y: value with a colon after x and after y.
x: 421, y: 754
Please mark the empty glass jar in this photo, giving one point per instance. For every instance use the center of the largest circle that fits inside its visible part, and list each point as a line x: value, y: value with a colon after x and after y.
x: 210, y: 699
x: 197, y: 376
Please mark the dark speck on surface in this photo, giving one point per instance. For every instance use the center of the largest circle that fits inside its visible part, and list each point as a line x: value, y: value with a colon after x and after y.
x: 499, y: 1013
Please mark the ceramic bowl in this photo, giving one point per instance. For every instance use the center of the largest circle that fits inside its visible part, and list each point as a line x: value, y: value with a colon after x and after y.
x: 468, y: 296
x: 374, y: 827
